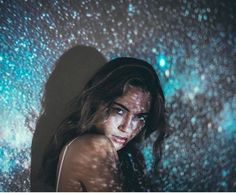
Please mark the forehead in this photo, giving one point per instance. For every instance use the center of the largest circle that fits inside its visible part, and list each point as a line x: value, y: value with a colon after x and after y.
x: 135, y: 99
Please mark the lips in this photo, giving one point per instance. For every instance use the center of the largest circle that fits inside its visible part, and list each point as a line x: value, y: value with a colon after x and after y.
x: 118, y: 139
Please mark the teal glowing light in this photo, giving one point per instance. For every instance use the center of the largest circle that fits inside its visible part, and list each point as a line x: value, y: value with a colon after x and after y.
x: 148, y: 157
x: 162, y: 62
x: 223, y: 184
x: 225, y: 173
x: 174, y: 170
x: 165, y: 163
x: 154, y: 50
x: 227, y: 116
x: 130, y: 8
x: 7, y: 164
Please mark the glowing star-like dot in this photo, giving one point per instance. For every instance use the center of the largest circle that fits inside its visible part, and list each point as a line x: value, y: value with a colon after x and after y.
x: 167, y: 73
x: 130, y: 41
x: 130, y: 8
x: 196, y: 89
x: 193, y: 120
x: 224, y: 173
x: 220, y: 129
x: 162, y: 62
x: 154, y: 50
x: 202, y: 77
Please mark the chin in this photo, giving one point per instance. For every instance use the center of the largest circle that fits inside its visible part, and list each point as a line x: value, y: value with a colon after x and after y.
x: 118, y: 146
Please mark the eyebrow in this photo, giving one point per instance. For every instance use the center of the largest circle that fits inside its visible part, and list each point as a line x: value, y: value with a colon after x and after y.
x: 124, y: 107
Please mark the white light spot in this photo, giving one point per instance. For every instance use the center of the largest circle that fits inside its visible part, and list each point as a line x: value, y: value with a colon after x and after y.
x: 167, y: 73
x: 220, y: 129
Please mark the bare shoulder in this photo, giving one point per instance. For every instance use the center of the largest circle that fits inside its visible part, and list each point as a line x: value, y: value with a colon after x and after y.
x: 90, y: 160
x: 92, y: 145
x: 94, y: 139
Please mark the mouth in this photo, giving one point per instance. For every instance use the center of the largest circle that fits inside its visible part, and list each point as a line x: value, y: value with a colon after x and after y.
x: 118, y: 139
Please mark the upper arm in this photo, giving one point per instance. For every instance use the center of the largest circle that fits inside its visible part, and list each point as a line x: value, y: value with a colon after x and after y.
x: 90, y: 163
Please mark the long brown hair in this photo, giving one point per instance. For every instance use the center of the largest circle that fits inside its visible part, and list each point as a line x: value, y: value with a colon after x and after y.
x: 102, y: 89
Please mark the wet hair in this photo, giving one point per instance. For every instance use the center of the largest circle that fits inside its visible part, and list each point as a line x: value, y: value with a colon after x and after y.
x: 102, y: 89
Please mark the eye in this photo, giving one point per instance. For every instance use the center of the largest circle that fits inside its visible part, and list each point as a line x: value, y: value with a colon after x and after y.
x: 118, y: 110
x: 142, y: 118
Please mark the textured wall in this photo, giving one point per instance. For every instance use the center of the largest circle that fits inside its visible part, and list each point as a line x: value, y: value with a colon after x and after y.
x: 190, y: 43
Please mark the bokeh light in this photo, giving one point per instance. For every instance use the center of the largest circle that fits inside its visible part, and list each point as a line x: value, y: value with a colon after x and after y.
x: 192, y: 47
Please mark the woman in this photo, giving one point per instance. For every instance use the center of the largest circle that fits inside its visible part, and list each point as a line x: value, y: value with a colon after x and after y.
x: 96, y: 148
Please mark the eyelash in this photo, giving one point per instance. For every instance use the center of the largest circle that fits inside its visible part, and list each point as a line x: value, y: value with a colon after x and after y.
x: 121, y: 111
x: 142, y: 118
x: 118, y: 110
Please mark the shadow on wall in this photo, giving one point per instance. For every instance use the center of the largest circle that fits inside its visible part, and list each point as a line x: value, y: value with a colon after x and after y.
x: 73, y: 69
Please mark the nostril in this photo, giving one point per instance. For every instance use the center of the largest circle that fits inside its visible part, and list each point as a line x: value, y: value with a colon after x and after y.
x: 122, y: 128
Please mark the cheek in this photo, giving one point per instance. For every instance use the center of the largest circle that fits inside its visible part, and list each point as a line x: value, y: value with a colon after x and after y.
x: 135, y: 132
x: 111, y: 123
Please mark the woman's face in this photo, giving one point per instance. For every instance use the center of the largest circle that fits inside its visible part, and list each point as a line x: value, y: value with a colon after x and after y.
x: 126, y: 116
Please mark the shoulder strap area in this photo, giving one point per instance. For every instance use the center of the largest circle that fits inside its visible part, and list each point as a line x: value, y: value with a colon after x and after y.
x: 62, y: 160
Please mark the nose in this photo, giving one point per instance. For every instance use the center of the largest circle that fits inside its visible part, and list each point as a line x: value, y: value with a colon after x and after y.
x: 125, y: 124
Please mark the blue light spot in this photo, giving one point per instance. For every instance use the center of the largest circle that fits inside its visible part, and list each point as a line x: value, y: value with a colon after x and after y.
x: 200, y: 17
x: 227, y: 116
x: 223, y: 184
x: 162, y: 62
x: 174, y: 170
x: 193, y: 120
x: 224, y: 173
x: 206, y: 163
x: 186, y: 13
x: 130, y: 8
x: 154, y: 50
x: 205, y: 17
x: 165, y: 163
x: 147, y: 153
x: 1, y: 58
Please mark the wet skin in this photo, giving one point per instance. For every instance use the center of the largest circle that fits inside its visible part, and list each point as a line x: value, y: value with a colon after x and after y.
x: 126, y: 116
